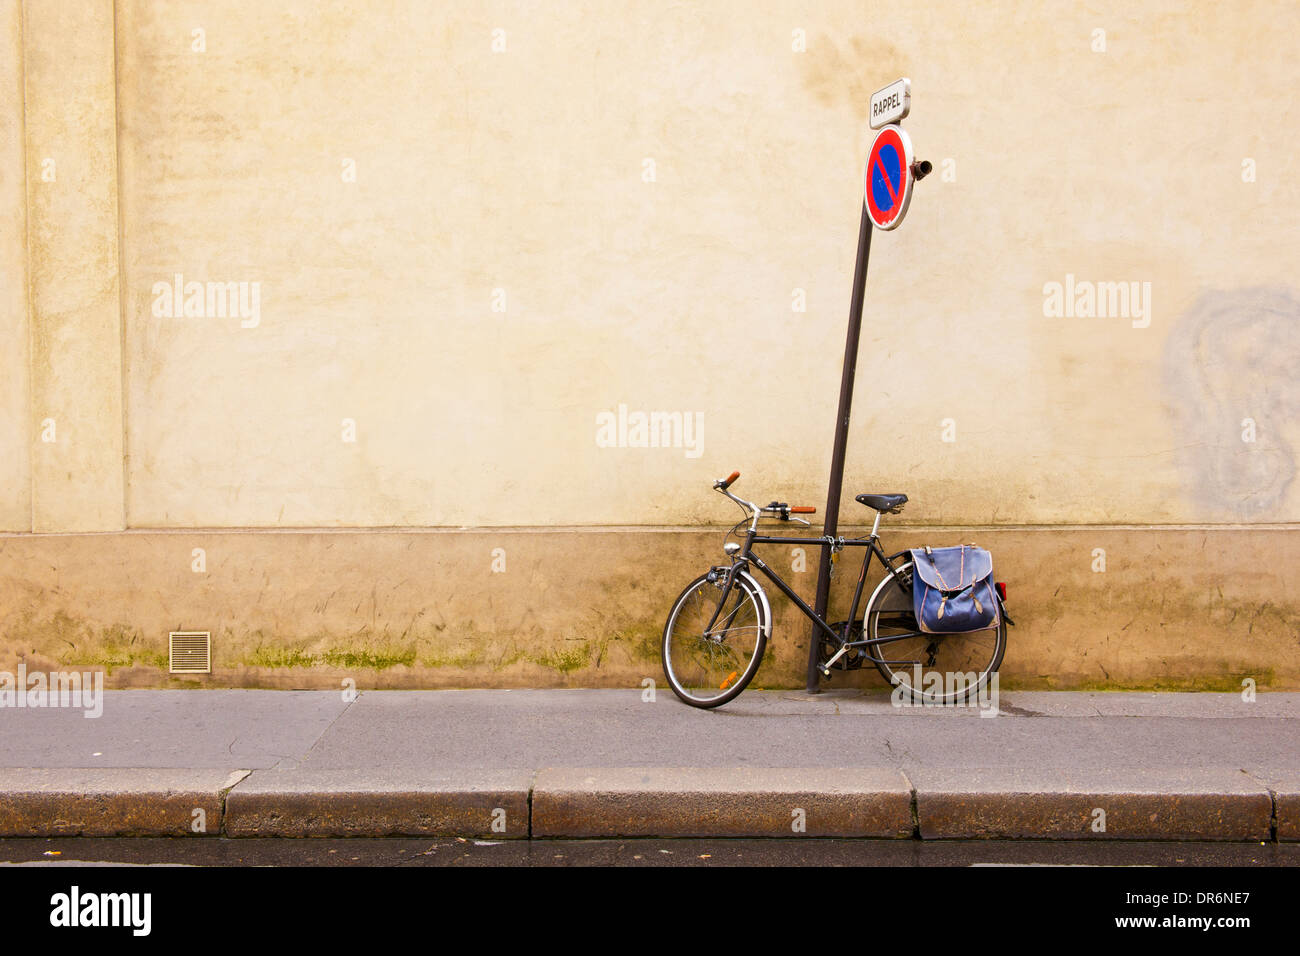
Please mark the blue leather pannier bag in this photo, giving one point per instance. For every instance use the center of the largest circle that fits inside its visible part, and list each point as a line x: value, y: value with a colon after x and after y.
x: 952, y: 589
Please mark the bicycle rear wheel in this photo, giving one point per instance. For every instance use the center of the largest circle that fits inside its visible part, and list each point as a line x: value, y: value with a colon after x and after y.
x: 933, y: 669
x: 706, y: 668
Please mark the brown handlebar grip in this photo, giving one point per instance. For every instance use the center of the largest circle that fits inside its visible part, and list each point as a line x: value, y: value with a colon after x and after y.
x: 803, y: 510
x: 734, y: 476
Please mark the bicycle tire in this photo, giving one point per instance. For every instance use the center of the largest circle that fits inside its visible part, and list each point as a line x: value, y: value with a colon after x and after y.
x: 895, y: 590
x: 673, y: 640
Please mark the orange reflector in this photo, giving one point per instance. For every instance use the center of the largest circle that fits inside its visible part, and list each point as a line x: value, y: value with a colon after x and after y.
x: 730, y: 678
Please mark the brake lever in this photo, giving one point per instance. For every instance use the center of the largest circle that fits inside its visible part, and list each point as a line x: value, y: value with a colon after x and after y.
x: 781, y: 511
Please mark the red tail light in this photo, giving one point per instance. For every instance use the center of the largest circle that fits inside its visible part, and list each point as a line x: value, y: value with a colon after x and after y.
x: 1002, y: 589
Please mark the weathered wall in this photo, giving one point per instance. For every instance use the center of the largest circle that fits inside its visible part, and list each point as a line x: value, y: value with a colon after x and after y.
x: 582, y: 607
x: 522, y: 171
x: 15, y: 457
x: 462, y: 233
x: 72, y: 235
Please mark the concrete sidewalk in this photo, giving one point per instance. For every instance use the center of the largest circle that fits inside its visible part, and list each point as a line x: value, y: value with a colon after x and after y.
x: 606, y: 763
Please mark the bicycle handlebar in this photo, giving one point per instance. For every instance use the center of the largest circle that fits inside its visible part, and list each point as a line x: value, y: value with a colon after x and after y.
x: 782, y: 510
x: 778, y: 509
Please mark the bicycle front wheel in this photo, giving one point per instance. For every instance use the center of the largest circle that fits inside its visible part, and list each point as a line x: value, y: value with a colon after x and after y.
x: 930, y: 669
x: 708, y: 664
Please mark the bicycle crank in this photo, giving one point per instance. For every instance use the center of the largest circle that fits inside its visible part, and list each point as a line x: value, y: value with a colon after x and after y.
x: 841, y: 658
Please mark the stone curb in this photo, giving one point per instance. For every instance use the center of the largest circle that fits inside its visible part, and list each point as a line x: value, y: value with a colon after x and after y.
x: 302, y: 803
x: 1286, y: 805
x: 1115, y: 804
x: 116, y: 802
x: 1225, y: 805
x: 713, y: 802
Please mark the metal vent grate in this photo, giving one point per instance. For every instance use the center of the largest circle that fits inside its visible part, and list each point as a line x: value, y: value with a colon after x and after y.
x: 190, y: 652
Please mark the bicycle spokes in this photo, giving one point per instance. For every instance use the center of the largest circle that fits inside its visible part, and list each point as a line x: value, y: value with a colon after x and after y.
x: 930, y: 667
x: 712, y: 641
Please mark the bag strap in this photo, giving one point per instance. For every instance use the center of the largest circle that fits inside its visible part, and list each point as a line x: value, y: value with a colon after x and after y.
x: 961, y: 571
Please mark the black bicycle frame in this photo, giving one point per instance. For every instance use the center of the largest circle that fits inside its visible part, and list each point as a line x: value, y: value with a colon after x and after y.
x: 872, y: 543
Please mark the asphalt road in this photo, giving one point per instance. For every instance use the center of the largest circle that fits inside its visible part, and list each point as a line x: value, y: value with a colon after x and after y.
x: 146, y: 851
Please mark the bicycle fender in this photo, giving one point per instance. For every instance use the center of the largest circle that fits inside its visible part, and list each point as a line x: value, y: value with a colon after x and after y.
x: 1002, y: 606
x: 876, y: 593
x: 763, y: 602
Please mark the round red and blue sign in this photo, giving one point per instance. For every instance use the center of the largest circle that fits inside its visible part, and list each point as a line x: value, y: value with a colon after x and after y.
x: 889, y: 177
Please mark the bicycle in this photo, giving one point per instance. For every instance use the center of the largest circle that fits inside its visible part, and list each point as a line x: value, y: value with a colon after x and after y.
x: 718, y: 628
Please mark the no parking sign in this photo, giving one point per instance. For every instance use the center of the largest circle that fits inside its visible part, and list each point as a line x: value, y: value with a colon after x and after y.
x: 889, y: 177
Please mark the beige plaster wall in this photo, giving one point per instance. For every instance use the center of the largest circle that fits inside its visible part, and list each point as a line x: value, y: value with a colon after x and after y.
x: 524, y: 171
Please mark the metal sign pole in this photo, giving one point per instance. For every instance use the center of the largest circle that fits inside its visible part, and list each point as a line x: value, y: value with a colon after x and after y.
x: 832, y: 523
x: 891, y: 170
